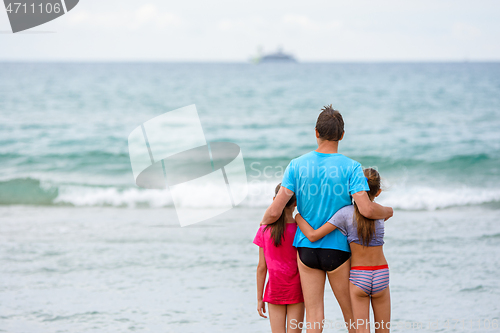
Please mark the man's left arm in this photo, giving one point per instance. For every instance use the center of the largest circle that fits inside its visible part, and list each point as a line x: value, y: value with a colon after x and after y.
x: 370, y: 209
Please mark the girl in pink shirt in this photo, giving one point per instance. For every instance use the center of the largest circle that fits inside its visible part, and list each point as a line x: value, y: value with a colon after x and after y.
x: 278, y: 257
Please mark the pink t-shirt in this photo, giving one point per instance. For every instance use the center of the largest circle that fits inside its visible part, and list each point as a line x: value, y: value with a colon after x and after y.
x: 283, y: 285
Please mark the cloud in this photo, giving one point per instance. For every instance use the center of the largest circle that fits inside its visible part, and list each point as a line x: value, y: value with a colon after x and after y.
x: 150, y: 15
x: 465, y: 31
x: 230, y: 30
x: 245, y: 24
x: 305, y: 23
x: 146, y: 16
x: 264, y: 29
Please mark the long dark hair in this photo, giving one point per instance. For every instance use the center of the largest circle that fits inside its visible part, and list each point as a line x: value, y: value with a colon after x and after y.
x: 366, y: 226
x: 278, y: 227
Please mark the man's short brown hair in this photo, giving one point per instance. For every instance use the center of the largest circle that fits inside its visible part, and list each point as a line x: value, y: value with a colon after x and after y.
x: 330, y: 124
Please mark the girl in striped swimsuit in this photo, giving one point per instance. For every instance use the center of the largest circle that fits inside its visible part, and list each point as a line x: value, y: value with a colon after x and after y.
x: 369, y: 278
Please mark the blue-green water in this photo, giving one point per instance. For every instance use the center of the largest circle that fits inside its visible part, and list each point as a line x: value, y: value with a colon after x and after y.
x: 69, y: 209
x: 431, y: 129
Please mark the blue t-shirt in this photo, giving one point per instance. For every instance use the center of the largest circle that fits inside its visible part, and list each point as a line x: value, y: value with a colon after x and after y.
x: 323, y: 183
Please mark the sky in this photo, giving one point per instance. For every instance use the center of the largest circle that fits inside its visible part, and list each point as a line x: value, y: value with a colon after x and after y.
x: 232, y: 30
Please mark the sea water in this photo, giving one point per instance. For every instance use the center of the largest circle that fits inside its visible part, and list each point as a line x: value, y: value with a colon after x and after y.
x: 82, y: 249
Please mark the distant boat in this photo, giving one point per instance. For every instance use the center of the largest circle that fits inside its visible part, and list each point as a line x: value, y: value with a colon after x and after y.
x: 278, y: 57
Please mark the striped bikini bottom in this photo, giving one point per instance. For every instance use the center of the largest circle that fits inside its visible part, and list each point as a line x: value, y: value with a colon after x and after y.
x: 370, y: 279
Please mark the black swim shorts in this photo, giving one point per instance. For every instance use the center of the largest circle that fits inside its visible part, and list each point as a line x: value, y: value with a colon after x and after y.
x: 325, y: 259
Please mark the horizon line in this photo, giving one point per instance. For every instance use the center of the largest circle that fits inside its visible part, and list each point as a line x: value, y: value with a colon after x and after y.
x: 192, y: 61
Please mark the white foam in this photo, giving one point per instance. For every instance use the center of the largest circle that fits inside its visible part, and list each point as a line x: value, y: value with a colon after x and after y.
x: 260, y: 195
x: 429, y: 198
x: 133, y: 197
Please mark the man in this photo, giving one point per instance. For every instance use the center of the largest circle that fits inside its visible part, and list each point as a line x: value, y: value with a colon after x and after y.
x: 324, y: 181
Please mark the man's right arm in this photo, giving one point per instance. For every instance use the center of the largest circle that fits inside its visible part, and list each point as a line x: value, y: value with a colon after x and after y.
x: 286, y: 191
x: 275, y: 210
x: 370, y: 209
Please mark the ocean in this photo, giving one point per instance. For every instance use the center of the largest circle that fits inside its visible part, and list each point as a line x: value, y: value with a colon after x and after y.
x: 83, y: 249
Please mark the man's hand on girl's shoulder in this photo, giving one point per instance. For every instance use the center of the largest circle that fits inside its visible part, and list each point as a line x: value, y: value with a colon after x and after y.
x: 390, y: 211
